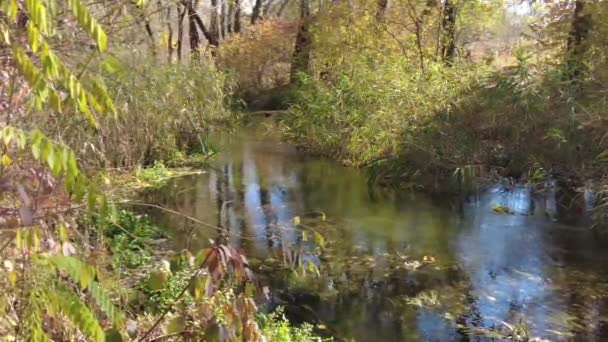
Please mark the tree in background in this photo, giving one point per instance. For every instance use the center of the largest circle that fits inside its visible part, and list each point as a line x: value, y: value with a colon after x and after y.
x: 301, y: 54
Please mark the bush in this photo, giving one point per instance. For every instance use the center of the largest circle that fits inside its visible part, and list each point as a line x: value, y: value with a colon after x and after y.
x: 371, y: 113
x: 259, y: 57
x: 161, y: 109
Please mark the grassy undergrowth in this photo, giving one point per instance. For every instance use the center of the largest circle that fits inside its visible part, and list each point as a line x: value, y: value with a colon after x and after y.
x: 141, y: 257
x: 453, y: 124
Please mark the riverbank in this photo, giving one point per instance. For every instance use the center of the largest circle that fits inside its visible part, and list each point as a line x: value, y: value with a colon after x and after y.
x: 455, y: 130
x: 155, y: 274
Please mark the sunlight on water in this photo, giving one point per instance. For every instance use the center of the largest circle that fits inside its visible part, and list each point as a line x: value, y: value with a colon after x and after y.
x: 494, y: 271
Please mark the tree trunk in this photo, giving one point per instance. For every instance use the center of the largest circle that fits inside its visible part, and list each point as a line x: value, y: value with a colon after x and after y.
x: 213, y: 22
x: 237, y: 16
x: 255, y: 13
x: 180, y: 33
x: 448, y: 25
x: 301, y: 54
x: 230, y: 19
x: 170, y: 36
x: 418, y: 26
x: 197, y: 19
x: 193, y: 32
x: 579, y: 32
x: 223, y: 17
x: 149, y: 31
x: 381, y: 10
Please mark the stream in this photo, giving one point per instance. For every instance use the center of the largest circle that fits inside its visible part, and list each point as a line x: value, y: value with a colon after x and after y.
x: 378, y: 264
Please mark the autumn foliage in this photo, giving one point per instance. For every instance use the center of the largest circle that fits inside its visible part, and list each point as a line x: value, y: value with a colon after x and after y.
x: 260, y: 57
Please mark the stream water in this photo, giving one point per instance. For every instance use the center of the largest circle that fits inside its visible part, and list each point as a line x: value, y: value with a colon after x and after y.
x: 394, y: 266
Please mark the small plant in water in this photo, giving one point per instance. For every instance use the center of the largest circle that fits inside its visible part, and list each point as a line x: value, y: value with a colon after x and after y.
x: 155, y: 176
x: 424, y: 299
x: 277, y: 328
x: 501, y: 209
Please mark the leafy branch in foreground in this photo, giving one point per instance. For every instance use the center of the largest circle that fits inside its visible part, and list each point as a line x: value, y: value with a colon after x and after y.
x: 41, y: 181
x: 52, y: 82
x: 220, y: 271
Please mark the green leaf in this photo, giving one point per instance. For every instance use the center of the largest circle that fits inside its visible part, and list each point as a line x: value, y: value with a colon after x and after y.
x: 66, y: 302
x: 319, y: 240
x: 33, y: 36
x: 12, y: 10
x: 80, y: 272
x: 113, y: 335
x: 88, y: 23
x: 80, y: 187
x: 46, y: 149
x: 100, y: 94
x: 112, y: 64
x: 72, y: 164
x: 55, y: 101
x: 21, y: 139
x: 63, y: 233
x: 37, y: 14
x: 92, y: 197
x: 105, y: 303
x: 158, y: 280
x: 7, y: 135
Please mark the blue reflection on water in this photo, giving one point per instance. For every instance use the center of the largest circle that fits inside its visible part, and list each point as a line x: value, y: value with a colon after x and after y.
x: 504, y: 254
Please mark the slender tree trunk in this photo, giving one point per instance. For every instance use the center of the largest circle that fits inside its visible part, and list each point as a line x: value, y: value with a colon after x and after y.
x: 230, y: 18
x: 381, y: 10
x: 148, y: 29
x: 301, y: 54
x: 418, y: 25
x: 438, y: 37
x: 213, y: 21
x: 199, y: 22
x: 223, y: 17
x: 448, y: 25
x: 257, y: 10
x: 237, y: 16
x: 170, y: 35
x: 577, y: 46
x: 418, y: 21
x: 180, y: 33
x: 193, y: 32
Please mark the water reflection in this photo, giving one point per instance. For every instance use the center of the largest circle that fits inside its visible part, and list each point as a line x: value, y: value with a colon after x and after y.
x: 504, y: 257
x: 493, y: 270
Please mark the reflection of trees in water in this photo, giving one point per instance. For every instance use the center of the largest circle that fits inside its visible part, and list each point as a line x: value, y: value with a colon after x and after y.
x: 363, y: 284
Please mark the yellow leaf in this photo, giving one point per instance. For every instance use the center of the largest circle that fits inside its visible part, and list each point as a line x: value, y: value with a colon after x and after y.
x: 6, y: 160
x: 12, y: 276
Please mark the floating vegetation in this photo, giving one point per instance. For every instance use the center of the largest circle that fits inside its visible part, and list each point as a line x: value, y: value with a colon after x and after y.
x: 502, y: 209
x: 424, y: 299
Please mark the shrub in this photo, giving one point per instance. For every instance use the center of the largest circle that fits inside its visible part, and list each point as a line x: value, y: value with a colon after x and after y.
x: 260, y: 57
x: 161, y: 109
x: 370, y: 113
